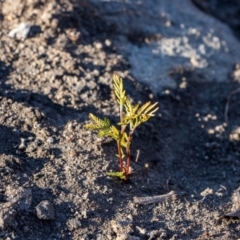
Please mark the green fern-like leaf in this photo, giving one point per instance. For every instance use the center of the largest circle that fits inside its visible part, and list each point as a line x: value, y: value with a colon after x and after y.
x: 148, y: 109
x: 114, y: 133
x: 118, y: 89
x: 120, y: 175
x: 101, y: 125
x: 103, y: 132
x: 124, y: 140
x: 137, y: 115
x: 130, y: 109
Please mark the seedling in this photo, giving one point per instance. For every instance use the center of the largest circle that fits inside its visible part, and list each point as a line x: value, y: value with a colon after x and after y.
x: 131, y: 116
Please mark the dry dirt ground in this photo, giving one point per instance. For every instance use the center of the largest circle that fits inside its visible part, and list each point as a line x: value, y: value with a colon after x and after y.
x: 50, y: 82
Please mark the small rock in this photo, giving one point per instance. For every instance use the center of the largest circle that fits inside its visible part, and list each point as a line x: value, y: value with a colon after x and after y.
x: 45, y: 210
x: 108, y: 42
x: 141, y: 230
x: 234, y: 137
x: 211, y: 131
x: 206, y: 192
x: 21, y: 32
x: 236, y: 75
x: 54, y: 23
x: 235, y: 134
x: 98, y: 45
x: 50, y: 140
x: 70, y: 126
x: 23, y: 144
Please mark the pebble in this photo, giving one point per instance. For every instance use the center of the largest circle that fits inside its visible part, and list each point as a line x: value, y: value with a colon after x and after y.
x: 50, y: 140
x: 235, y: 135
x: 45, y: 210
x: 141, y: 230
x: 23, y: 144
x: 20, y: 32
x: 108, y: 42
x: 98, y: 45
x: 211, y: 131
x: 236, y: 75
x: 70, y: 126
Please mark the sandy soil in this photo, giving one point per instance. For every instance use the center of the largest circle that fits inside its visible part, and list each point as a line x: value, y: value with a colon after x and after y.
x: 53, y: 172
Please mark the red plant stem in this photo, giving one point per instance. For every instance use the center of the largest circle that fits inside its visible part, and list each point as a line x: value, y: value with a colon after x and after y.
x: 128, y: 163
x: 128, y: 154
x: 120, y: 155
x: 119, y: 147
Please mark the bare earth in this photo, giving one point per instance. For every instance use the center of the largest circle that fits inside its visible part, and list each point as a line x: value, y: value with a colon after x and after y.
x: 52, y: 80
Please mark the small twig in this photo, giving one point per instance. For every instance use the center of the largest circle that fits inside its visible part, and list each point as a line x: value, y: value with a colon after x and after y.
x: 155, y: 199
x: 228, y: 102
x: 138, y: 153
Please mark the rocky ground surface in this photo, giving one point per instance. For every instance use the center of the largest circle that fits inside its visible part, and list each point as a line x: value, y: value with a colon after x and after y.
x: 56, y: 64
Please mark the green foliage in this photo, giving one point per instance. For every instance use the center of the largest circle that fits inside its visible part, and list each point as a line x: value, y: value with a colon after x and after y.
x: 101, y: 125
x: 133, y: 116
x: 120, y: 175
x: 118, y: 89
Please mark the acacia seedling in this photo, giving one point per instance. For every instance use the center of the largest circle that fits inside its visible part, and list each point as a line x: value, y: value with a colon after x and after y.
x: 131, y: 116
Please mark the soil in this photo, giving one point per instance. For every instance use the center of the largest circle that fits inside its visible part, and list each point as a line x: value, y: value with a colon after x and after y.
x: 53, y: 172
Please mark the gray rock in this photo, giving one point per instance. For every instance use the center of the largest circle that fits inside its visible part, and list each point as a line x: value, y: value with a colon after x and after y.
x: 45, y: 210
x: 176, y: 37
